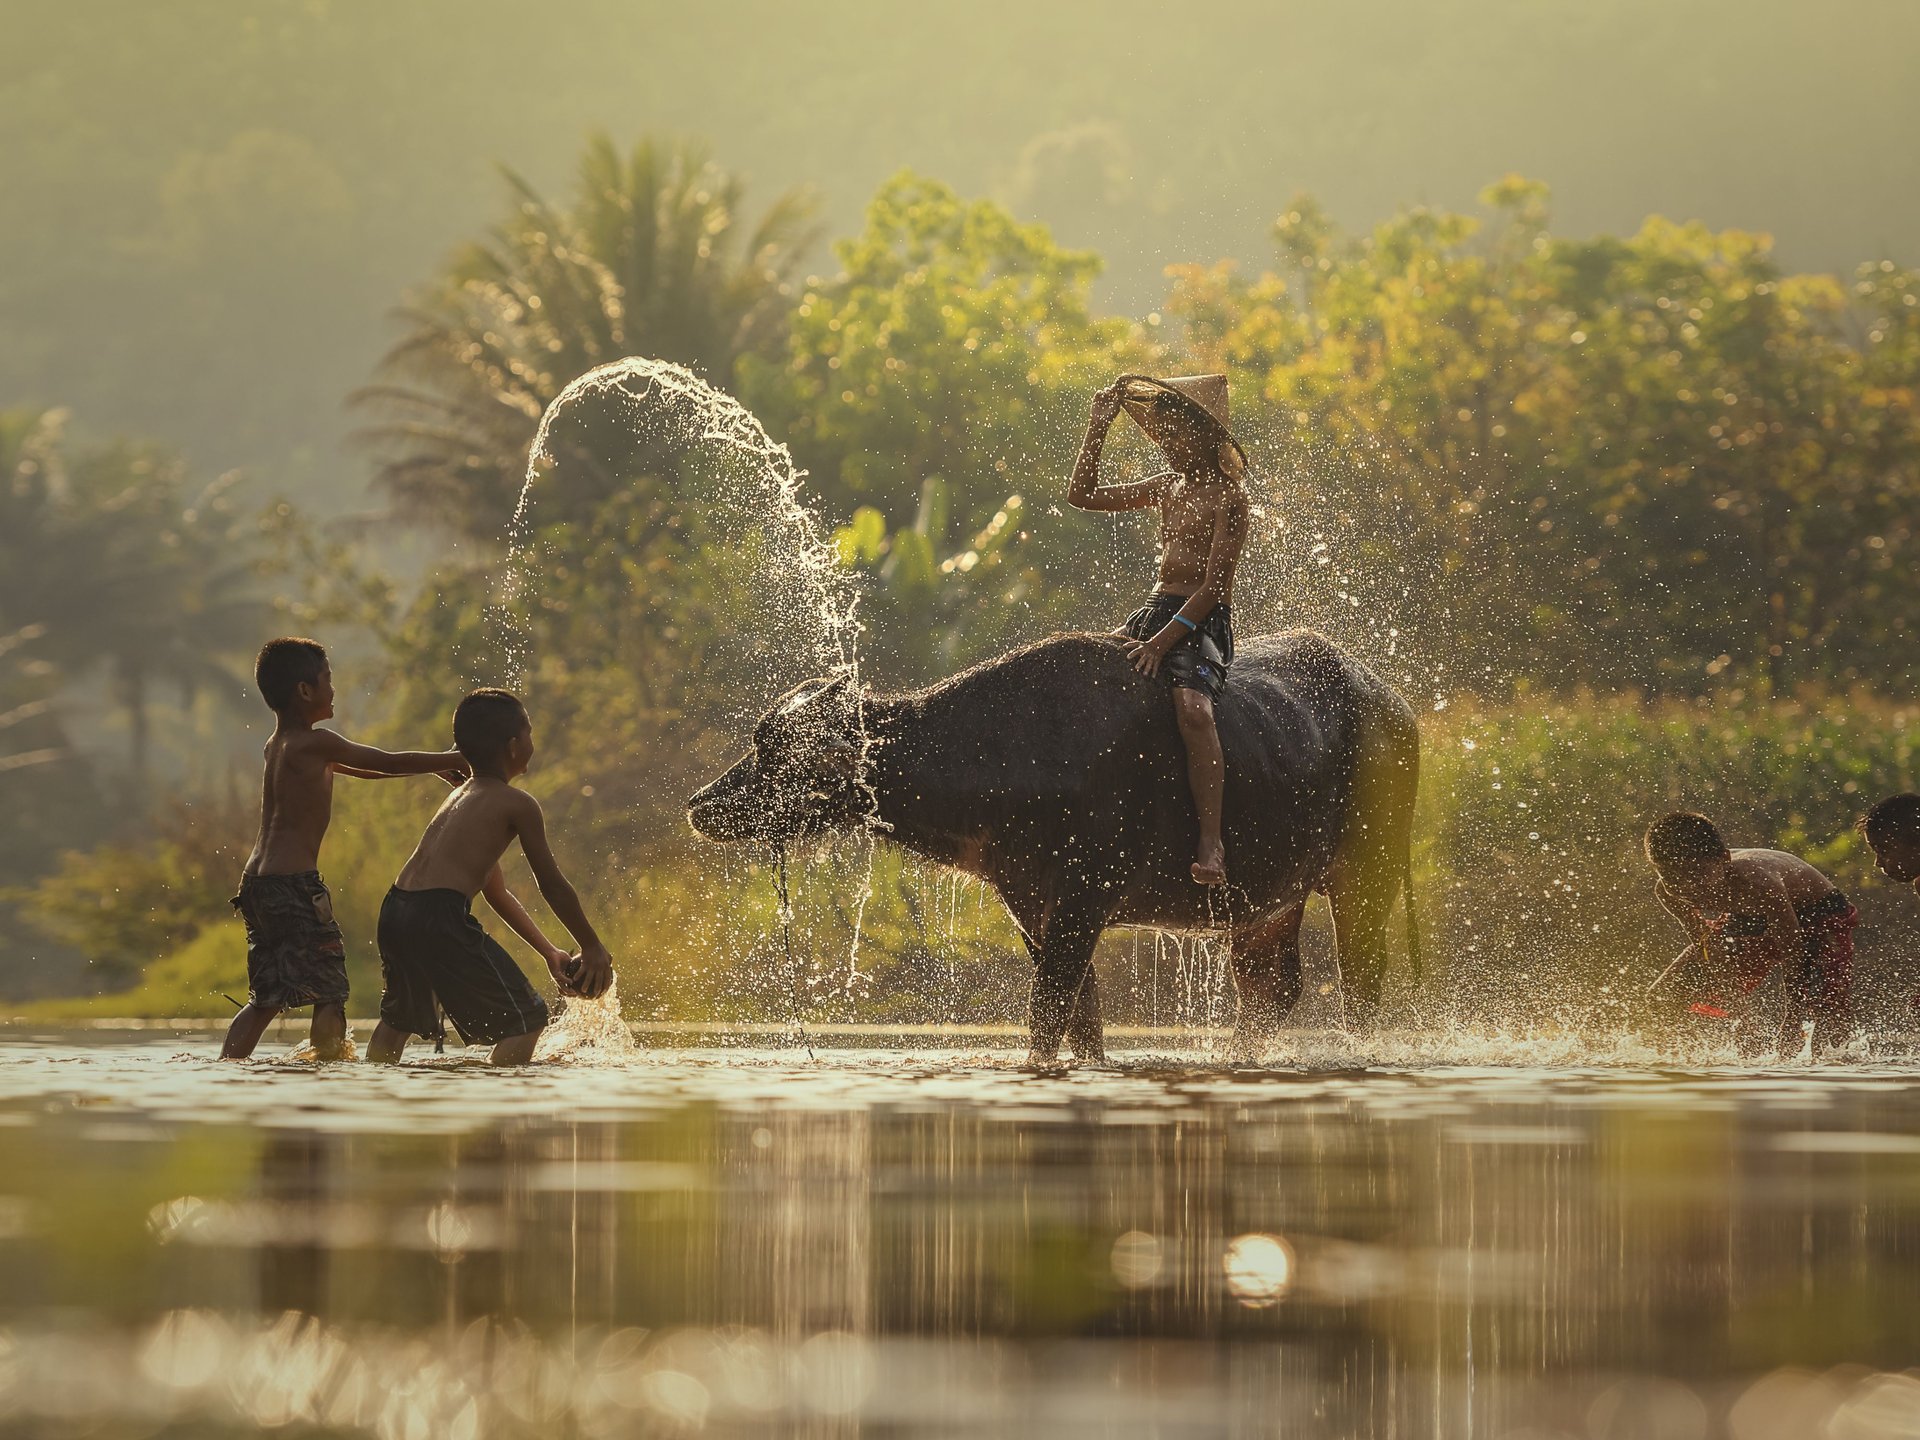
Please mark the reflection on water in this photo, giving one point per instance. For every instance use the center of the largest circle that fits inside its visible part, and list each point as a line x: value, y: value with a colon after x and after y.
x: 936, y: 1243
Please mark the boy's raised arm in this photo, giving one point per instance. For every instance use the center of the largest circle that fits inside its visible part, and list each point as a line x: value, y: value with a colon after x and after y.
x: 368, y: 762
x: 595, y: 973
x: 1084, y: 491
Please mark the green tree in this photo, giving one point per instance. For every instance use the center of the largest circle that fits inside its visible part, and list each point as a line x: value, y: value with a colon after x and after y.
x: 1652, y: 461
x: 654, y: 256
x: 937, y: 384
x: 1408, y: 375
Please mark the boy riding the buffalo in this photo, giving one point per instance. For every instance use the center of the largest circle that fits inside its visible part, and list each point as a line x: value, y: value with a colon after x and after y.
x: 1184, y: 633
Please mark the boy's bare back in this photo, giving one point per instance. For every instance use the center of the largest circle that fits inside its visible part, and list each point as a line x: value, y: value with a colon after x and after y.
x: 466, y: 838
x: 296, y: 804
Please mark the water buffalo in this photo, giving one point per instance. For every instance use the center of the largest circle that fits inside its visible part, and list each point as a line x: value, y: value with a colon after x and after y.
x: 1055, y: 774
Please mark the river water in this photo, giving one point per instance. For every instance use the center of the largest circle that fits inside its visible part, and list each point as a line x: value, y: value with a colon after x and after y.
x: 934, y: 1242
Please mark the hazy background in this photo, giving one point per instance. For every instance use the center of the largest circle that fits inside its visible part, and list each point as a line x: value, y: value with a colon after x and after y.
x: 1631, y: 510
x: 213, y: 205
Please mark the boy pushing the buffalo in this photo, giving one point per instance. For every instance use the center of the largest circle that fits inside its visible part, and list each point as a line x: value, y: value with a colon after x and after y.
x: 1184, y: 633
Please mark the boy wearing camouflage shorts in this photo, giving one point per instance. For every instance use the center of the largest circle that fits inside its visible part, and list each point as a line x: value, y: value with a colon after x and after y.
x: 295, y: 954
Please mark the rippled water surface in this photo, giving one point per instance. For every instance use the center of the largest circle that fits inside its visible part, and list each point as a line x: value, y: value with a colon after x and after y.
x: 934, y: 1242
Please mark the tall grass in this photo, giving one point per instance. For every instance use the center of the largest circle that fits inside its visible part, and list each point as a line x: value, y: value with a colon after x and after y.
x: 1530, y: 863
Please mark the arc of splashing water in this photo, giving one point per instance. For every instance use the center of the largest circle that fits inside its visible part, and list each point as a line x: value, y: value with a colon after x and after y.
x: 720, y: 419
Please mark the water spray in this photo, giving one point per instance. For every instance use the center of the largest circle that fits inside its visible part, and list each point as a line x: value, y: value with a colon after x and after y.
x: 786, y: 935
x: 811, y: 593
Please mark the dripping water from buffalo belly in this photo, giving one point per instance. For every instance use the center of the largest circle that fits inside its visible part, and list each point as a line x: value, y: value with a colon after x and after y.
x: 795, y: 1013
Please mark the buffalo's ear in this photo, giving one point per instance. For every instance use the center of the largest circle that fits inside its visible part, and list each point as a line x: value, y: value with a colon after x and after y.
x: 801, y: 696
x: 833, y: 703
x: 841, y: 747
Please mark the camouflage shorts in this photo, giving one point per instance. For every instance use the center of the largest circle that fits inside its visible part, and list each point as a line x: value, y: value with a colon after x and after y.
x: 295, y: 953
x: 1199, y: 659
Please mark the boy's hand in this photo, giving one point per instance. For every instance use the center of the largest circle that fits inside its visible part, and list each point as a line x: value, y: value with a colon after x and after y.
x: 457, y: 770
x: 1148, y: 655
x: 560, y: 965
x: 592, y: 972
x: 1106, y: 405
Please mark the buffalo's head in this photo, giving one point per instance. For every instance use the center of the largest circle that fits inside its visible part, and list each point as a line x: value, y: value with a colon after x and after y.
x: 802, y: 777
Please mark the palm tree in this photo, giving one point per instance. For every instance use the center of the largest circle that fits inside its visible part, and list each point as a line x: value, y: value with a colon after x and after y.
x: 653, y: 257
x: 111, y: 561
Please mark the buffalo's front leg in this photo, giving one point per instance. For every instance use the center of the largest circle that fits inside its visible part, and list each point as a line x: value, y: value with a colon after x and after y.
x: 1266, y: 975
x: 1066, y: 997
x: 1086, y: 1037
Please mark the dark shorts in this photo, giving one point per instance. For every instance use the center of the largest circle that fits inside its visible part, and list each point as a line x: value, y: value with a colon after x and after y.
x: 1199, y: 661
x: 1824, y: 987
x: 432, y: 947
x: 295, y: 953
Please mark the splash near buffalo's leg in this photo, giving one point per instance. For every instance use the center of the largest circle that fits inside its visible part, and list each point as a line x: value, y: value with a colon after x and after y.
x: 1086, y: 1036
x: 1266, y: 977
x: 1066, y: 999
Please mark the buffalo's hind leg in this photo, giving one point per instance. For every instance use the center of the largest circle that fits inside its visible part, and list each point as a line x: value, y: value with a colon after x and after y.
x: 1266, y: 976
x: 1371, y: 863
x: 1362, y: 908
x: 1365, y: 883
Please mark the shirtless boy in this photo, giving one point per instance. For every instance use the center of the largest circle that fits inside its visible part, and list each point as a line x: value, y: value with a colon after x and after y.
x: 1749, y: 912
x: 430, y: 944
x: 1184, y: 632
x: 1892, y: 831
x: 295, y: 955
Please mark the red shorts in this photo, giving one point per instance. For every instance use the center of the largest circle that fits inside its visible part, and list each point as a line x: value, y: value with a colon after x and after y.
x: 1820, y: 987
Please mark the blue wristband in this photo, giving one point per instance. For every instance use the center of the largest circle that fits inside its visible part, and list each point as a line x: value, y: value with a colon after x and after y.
x: 1186, y: 622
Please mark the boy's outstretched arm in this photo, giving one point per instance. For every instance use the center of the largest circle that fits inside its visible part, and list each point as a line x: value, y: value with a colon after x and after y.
x: 1084, y: 491
x: 1689, y: 959
x: 1704, y: 957
x: 509, y: 909
x: 368, y: 762
x: 595, y: 972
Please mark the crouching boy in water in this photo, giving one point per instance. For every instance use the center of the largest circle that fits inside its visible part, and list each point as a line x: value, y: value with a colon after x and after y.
x: 431, y: 947
x: 1892, y: 831
x: 295, y: 953
x: 1185, y: 630
x: 1749, y: 912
